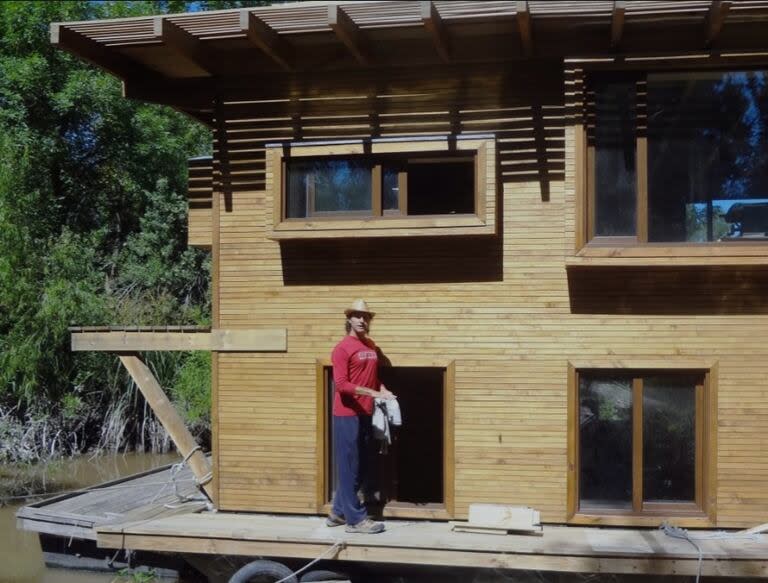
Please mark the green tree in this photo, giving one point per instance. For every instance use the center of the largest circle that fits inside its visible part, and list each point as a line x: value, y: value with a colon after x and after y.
x: 92, y: 227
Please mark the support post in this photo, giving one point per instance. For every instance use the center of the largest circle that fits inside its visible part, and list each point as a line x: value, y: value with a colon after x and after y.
x: 170, y: 418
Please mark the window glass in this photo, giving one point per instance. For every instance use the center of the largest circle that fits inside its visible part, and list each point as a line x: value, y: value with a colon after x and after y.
x: 441, y: 188
x: 605, y: 441
x: 615, y: 176
x: 707, y: 156
x: 390, y: 188
x: 669, y: 438
x: 330, y: 185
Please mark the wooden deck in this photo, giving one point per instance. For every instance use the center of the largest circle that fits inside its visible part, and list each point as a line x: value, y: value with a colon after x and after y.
x: 138, y: 497
x: 561, y: 548
x: 130, y: 513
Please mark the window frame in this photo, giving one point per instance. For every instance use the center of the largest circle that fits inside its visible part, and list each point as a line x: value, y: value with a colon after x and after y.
x: 381, y: 223
x: 700, y: 512
x: 631, y: 250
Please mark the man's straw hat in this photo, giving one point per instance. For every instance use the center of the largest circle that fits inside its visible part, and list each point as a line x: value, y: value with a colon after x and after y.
x: 358, y: 306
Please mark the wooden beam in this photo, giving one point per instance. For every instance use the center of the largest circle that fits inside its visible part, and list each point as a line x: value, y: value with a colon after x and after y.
x: 267, y: 39
x: 617, y: 22
x: 99, y: 55
x: 184, y: 43
x: 434, y: 24
x: 170, y: 418
x: 349, y: 33
x: 266, y: 340
x: 523, y: 15
x: 715, y: 20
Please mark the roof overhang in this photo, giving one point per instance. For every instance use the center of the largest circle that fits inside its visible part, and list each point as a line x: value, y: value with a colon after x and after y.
x: 183, y: 59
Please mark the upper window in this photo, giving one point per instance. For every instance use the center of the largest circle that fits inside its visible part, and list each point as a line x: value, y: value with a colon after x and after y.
x: 678, y: 157
x: 388, y: 186
x: 642, y: 442
x: 383, y: 188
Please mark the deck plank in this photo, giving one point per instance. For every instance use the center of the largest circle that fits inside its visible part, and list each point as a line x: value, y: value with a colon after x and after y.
x: 561, y: 548
x: 130, y: 499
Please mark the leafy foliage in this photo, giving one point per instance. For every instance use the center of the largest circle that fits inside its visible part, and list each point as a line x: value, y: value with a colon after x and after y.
x: 92, y: 227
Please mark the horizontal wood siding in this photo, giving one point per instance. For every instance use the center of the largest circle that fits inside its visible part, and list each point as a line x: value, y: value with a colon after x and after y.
x: 505, y: 308
x: 199, y: 193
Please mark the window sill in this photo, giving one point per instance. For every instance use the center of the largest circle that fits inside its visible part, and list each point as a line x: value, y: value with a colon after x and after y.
x: 662, y: 254
x: 381, y: 227
x: 683, y: 521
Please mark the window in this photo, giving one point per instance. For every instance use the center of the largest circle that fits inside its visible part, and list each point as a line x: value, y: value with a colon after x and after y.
x: 383, y: 188
x: 677, y: 157
x: 642, y: 442
x: 389, y: 186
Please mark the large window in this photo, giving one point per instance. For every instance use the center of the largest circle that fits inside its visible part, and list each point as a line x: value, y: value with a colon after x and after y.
x: 678, y: 157
x: 383, y: 187
x: 641, y: 442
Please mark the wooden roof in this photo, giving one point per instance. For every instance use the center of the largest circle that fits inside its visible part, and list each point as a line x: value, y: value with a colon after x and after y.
x: 188, y: 51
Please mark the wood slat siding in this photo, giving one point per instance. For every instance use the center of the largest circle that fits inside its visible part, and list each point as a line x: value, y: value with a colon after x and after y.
x: 199, y: 197
x: 505, y: 308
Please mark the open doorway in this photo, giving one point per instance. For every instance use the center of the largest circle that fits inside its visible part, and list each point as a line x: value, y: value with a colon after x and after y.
x: 414, y: 478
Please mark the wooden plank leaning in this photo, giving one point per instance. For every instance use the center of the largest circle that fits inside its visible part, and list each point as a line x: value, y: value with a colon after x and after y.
x: 170, y: 418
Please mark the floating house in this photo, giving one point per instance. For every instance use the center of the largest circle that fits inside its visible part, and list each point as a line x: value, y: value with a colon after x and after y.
x: 557, y: 210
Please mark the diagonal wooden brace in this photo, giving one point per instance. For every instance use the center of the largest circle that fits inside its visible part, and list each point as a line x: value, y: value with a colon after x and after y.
x: 170, y: 418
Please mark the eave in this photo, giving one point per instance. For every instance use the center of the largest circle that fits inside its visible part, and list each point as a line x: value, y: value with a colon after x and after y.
x: 184, y: 59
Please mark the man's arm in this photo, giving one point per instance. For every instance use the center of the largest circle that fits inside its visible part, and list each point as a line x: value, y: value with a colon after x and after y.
x: 383, y: 392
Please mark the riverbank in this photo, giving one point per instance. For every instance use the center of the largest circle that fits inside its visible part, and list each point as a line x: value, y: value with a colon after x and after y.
x: 21, y: 558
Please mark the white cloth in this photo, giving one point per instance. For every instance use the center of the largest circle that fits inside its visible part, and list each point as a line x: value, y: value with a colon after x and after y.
x: 386, y: 414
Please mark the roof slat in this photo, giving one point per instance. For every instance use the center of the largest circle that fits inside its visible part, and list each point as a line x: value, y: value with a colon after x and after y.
x: 264, y: 36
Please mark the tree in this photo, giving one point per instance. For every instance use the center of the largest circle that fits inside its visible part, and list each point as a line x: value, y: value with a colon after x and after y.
x: 92, y: 222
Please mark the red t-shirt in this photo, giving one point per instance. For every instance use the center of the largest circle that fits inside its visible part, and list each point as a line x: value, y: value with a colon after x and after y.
x: 355, y: 364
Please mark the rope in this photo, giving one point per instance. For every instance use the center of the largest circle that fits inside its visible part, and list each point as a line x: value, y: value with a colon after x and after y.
x: 205, y: 479
x: 337, y: 546
x: 89, y: 489
x: 683, y: 534
x: 191, y: 452
x: 183, y: 498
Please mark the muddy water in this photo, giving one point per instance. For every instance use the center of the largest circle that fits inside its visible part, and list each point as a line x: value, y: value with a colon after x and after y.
x: 21, y: 560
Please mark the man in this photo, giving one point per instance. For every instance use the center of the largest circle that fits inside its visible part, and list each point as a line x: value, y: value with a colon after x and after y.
x: 356, y: 378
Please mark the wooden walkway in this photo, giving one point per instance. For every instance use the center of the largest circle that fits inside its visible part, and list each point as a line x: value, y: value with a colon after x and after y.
x: 561, y: 548
x: 141, y: 496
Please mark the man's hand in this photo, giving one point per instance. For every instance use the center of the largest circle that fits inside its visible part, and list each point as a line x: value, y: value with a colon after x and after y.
x: 385, y: 393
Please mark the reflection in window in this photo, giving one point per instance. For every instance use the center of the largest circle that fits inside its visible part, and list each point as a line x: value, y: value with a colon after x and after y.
x: 614, y: 140
x: 669, y: 439
x: 328, y: 186
x: 708, y: 156
x: 605, y: 441
x: 667, y: 407
x: 436, y: 184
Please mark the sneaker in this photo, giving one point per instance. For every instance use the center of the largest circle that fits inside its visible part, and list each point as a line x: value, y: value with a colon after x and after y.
x: 335, y: 520
x: 366, y: 526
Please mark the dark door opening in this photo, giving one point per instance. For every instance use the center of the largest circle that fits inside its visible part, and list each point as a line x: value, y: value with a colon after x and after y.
x: 412, y: 472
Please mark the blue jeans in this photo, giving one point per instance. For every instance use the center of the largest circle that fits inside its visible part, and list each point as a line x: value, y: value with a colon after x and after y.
x: 351, y: 441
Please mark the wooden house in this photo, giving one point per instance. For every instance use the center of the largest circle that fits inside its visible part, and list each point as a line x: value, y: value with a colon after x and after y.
x: 557, y: 210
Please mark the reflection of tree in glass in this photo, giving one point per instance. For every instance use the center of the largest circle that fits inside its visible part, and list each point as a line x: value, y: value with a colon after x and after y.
x: 605, y: 440
x: 708, y: 145
x: 740, y: 130
x: 696, y: 222
x: 669, y: 442
x: 342, y: 185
